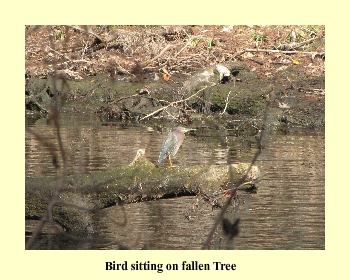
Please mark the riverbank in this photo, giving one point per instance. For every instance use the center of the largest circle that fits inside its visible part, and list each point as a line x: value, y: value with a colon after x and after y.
x: 143, y: 72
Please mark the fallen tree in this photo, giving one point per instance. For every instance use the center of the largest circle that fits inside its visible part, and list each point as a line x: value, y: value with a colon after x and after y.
x: 141, y: 180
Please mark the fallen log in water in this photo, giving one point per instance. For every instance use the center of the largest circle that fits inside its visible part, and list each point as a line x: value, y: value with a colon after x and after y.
x: 141, y: 180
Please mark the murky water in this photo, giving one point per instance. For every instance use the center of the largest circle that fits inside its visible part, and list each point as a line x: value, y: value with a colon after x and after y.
x: 287, y: 212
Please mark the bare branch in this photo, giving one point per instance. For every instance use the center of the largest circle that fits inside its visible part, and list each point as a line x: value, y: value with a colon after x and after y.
x: 175, y: 102
x: 286, y: 52
x: 226, y: 103
x: 169, y: 46
x: 234, y: 189
x: 86, y: 31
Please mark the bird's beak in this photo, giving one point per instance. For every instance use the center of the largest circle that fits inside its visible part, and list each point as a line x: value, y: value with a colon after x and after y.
x: 187, y: 129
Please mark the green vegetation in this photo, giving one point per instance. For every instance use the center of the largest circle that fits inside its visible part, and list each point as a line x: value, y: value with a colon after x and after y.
x: 196, y: 41
x: 211, y: 43
x: 258, y: 38
x: 61, y: 35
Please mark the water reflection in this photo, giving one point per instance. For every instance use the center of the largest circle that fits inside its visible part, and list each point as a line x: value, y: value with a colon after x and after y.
x: 287, y: 212
x: 175, y: 223
x: 94, y: 147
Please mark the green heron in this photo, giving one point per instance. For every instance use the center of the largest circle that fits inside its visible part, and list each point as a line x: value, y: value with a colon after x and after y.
x: 172, y: 143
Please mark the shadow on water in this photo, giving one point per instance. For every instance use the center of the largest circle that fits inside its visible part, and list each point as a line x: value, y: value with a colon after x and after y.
x: 287, y: 212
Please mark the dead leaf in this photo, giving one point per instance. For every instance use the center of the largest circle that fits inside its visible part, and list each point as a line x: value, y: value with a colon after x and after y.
x: 165, y: 74
x: 166, y: 77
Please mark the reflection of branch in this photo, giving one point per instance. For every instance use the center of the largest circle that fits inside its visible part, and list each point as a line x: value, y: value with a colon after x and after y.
x: 234, y: 189
x: 46, y: 144
x: 175, y: 102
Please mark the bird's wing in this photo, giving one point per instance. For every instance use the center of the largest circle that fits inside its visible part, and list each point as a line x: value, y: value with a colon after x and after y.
x: 169, y: 147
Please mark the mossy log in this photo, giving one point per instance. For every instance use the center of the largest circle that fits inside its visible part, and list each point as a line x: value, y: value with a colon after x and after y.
x: 141, y: 180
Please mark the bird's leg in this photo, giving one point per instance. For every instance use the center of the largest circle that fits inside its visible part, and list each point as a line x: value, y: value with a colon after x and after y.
x: 170, y: 164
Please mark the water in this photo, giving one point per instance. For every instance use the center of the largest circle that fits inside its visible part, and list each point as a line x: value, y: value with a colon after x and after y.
x: 92, y: 146
x: 287, y: 212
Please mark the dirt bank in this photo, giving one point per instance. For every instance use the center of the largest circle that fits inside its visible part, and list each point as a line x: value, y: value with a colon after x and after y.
x: 85, y: 51
x: 133, y: 71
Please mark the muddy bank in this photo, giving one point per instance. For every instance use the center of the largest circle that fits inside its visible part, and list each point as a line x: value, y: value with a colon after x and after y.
x: 292, y: 97
x: 171, y: 72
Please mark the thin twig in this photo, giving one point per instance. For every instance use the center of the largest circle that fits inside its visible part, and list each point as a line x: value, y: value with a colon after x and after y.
x: 175, y: 102
x: 286, y: 52
x: 293, y: 45
x: 234, y: 189
x: 189, y: 42
x: 86, y: 32
x: 169, y: 46
x: 47, y: 216
x: 226, y: 103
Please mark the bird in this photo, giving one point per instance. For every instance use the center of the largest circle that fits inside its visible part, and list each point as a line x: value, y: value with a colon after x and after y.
x: 172, y: 144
